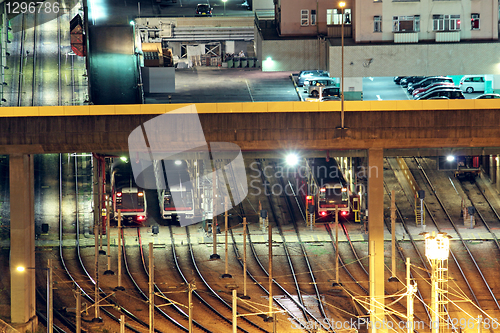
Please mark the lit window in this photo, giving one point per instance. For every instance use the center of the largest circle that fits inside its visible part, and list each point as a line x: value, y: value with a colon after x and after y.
x: 313, y: 17
x: 304, y: 17
x: 474, y: 21
x: 334, y: 16
x: 406, y: 23
x: 446, y: 22
x: 377, y: 24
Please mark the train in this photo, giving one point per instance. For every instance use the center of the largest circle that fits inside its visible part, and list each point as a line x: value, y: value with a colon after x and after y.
x: 327, y: 190
x: 126, y: 195
x: 175, y: 194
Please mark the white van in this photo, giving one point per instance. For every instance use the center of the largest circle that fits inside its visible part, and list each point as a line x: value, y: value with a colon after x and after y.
x: 472, y: 83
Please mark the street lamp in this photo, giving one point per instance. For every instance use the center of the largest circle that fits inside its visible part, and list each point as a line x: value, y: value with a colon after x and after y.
x: 50, y: 316
x: 224, y: 1
x: 437, y: 250
x: 342, y: 5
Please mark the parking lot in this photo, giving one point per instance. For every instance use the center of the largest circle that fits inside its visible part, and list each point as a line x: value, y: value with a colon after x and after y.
x: 213, y: 85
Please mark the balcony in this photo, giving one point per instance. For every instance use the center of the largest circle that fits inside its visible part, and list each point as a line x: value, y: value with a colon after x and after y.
x: 448, y: 36
x: 335, y: 31
x: 406, y: 37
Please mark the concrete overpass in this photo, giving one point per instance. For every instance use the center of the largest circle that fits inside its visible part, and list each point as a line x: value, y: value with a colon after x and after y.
x: 379, y: 127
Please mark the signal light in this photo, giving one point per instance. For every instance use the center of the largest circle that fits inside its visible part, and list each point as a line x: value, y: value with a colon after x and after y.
x: 323, y: 190
x: 309, y: 197
x: 119, y: 194
x: 140, y: 194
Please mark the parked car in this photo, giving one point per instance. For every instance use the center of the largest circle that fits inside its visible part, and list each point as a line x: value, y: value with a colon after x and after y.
x: 488, y: 96
x: 434, y: 89
x: 427, y: 81
x: 310, y: 85
x: 471, y: 83
x: 430, y: 86
x: 448, y: 93
x: 324, y: 91
x: 397, y: 79
x: 303, y: 75
x: 410, y: 79
x: 203, y: 9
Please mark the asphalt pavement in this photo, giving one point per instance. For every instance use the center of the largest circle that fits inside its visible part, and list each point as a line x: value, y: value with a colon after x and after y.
x: 215, y: 85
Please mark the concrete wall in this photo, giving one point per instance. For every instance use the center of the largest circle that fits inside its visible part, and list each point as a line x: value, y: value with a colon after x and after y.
x: 488, y: 10
x: 262, y: 5
x: 293, y: 55
x: 416, y: 59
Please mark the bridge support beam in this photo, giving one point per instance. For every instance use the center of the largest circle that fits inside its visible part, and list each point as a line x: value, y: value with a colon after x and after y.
x: 376, y: 238
x: 22, y: 241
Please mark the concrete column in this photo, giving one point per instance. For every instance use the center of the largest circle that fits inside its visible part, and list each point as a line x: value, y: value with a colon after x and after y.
x: 22, y: 239
x: 376, y: 237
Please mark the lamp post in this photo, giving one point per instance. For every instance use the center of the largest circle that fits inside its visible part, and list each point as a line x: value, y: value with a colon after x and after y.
x: 342, y: 5
x: 50, y: 316
x: 437, y: 249
x: 224, y: 1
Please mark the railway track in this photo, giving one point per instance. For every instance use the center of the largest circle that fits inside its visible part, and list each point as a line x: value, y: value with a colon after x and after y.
x: 199, y: 280
x: 82, y: 280
x: 137, y: 287
x: 434, y: 214
x: 160, y: 292
x: 308, y: 318
x: 462, y: 241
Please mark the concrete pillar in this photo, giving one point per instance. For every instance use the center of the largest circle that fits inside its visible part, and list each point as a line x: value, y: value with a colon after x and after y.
x: 22, y: 240
x: 376, y: 237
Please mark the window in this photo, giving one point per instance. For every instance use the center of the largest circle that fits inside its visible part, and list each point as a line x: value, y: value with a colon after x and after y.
x: 474, y: 21
x: 446, y: 22
x: 334, y: 16
x: 377, y: 24
x: 406, y: 23
x: 304, y: 17
x: 313, y: 17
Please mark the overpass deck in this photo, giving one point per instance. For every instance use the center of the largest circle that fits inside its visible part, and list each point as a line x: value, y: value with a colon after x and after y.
x: 262, y: 125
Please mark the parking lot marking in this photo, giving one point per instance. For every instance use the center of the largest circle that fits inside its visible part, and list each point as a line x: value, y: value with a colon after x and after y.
x: 249, y: 92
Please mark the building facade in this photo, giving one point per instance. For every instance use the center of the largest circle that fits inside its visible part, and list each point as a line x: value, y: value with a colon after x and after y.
x: 401, y: 21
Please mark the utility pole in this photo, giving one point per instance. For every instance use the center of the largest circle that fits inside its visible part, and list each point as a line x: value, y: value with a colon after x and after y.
x: 226, y: 273
x: 119, y: 287
x: 151, y: 290
x: 245, y: 259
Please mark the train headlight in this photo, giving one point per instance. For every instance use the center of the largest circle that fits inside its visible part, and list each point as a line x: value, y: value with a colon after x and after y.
x: 322, y: 213
x: 344, y: 213
x: 140, y: 194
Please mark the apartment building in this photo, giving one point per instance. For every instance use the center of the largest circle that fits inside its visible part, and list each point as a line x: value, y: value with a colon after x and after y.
x: 384, y: 38
x: 401, y: 21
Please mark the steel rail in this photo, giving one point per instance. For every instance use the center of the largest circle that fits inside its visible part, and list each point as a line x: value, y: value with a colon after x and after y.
x: 303, y: 249
x: 146, y: 298
x: 61, y: 255
x: 254, y: 253
x: 179, y: 270
x: 211, y: 289
x: 460, y: 236
x: 304, y: 309
x: 159, y: 290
